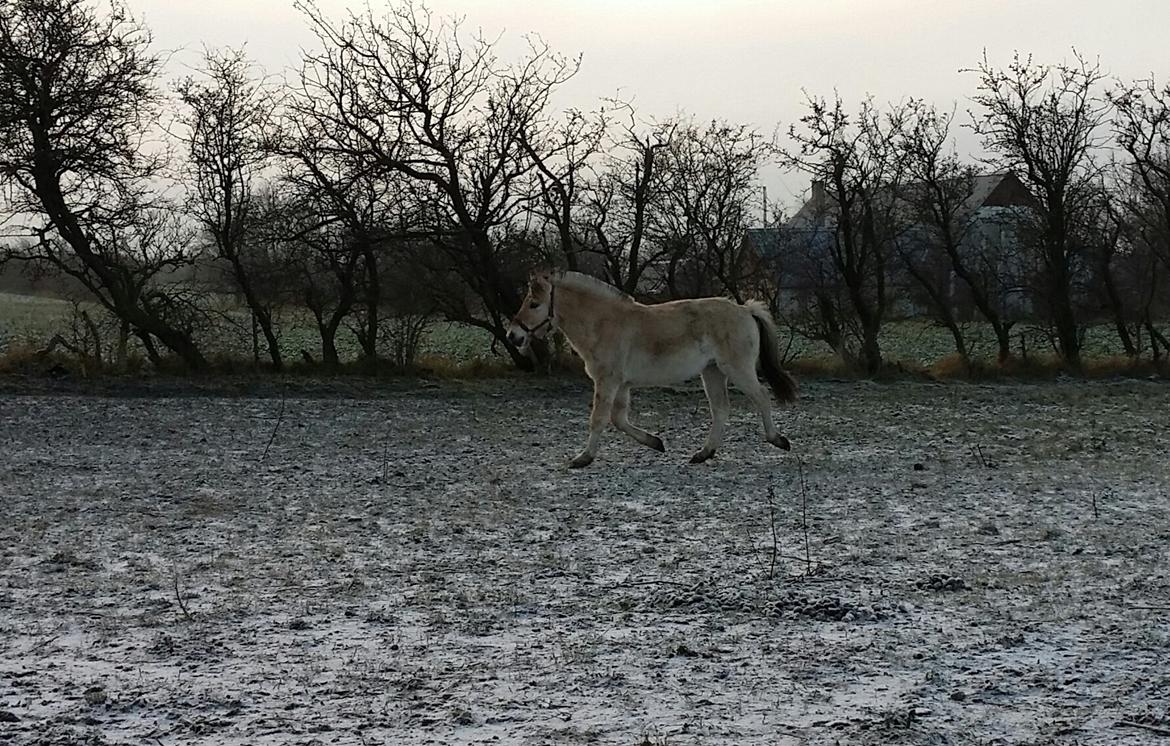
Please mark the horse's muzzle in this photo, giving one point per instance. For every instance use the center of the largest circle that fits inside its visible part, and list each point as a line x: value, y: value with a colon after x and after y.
x: 514, y: 338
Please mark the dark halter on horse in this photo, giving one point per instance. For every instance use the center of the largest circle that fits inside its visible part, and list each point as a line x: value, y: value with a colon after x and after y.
x: 548, y: 320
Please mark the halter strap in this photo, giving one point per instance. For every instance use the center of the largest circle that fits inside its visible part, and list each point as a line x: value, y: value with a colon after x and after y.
x: 552, y: 300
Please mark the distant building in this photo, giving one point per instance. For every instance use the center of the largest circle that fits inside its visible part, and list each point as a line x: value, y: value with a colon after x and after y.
x: 798, y: 250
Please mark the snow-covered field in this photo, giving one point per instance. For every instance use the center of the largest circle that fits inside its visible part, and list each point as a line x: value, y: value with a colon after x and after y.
x: 405, y: 564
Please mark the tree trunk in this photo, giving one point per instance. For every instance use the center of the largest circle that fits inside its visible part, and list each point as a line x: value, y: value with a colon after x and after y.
x: 369, y: 338
x: 831, y: 327
x: 942, y: 306
x: 123, y: 343
x: 1117, y: 306
x: 960, y: 342
x: 124, y: 300
x: 1003, y: 338
x: 1068, y: 338
x: 329, y: 356
x: 148, y: 345
x: 1131, y: 349
x: 255, y: 339
x: 1060, y: 289
x: 177, y: 342
x: 871, y: 352
x: 1157, y: 339
x: 261, y: 318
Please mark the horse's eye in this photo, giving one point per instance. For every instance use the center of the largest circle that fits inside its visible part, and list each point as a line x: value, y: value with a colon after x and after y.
x: 534, y: 304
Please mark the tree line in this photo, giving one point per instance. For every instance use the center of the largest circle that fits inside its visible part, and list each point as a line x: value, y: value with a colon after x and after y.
x: 404, y: 172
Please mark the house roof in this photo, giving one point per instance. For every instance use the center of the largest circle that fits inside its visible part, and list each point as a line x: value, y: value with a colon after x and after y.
x: 987, y: 190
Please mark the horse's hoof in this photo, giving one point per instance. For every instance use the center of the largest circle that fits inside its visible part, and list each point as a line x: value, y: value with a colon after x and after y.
x: 702, y: 456
x: 656, y: 444
x: 582, y: 460
x: 781, y: 442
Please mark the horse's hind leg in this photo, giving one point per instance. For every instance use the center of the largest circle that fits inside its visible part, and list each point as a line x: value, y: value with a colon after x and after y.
x: 747, y: 382
x: 715, y: 384
x: 621, y: 419
x: 603, y: 396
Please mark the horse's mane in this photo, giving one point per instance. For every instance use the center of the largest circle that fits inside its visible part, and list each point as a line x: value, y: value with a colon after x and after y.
x: 593, y: 286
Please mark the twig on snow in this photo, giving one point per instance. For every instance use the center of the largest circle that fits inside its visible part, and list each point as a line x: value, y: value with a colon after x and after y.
x: 631, y: 583
x: 178, y: 593
x: 43, y: 643
x: 775, y: 539
x: 279, y: 419
x: 1151, y: 728
x: 809, y: 573
x: 986, y: 462
x: 804, y: 516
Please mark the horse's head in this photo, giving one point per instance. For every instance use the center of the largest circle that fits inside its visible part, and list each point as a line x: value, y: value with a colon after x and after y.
x: 537, y: 314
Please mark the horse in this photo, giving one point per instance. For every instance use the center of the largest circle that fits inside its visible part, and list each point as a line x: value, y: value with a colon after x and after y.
x: 626, y: 344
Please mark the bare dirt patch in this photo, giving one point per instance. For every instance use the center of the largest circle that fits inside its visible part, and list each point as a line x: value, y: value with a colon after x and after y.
x: 416, y: 565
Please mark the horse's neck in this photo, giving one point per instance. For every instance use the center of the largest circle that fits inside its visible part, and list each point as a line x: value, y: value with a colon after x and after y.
x: 578, y: 315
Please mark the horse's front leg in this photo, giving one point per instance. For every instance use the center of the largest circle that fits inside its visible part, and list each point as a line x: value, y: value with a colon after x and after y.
x: 604, y: 393
x: 621, y: 418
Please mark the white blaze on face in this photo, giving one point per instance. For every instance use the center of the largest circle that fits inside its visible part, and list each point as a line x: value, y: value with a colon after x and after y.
x: 518, y: 336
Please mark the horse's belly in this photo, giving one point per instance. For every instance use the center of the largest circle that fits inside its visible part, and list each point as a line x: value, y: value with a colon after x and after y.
x: 665, y: 369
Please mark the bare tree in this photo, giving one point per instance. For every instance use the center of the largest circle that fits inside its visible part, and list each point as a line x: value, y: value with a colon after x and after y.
x: 846, y: 247
x: 320, y: 262
x: 621, y: 196
x: 949, y: 236
x: 1111, y: 275
x: 1142, y: 129
x: 410, y: 95
x: 408, y: 305
x: 327, y: 270
x: 1044, y: 122
x: 710, y: 179
x: 223, y: 125
x: 1131, y: 266
x: 77, y: 99
x: 564, y: 154
x: 355, y: 208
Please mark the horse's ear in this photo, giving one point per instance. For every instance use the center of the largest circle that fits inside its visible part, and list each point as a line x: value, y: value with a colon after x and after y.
x: 541, y: 275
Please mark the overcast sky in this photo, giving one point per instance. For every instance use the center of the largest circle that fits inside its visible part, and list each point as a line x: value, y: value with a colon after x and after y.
x: 741, y: 60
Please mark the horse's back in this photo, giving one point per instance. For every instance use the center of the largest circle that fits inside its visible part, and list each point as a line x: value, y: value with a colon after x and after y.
x: 674, y: 341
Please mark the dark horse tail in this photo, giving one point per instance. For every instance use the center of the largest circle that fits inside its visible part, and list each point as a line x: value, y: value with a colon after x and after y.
x: 782, y: 383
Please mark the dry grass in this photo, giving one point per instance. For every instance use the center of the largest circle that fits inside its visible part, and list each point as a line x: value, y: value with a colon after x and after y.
x: 440, y: 366
x: 821, y: 367
x: 1045, y: 367
x: 24, y: 359
x: 951, y: 366
x: 1126, y: 366
x: 444, y: 367
x: 454, y: 361
x: 27, y: 360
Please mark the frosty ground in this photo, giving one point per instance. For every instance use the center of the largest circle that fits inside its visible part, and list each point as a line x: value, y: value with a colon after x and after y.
x: 415, y: 564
